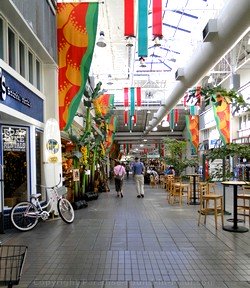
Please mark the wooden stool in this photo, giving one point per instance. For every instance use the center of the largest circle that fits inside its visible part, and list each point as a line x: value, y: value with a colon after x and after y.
x: 205, y: 204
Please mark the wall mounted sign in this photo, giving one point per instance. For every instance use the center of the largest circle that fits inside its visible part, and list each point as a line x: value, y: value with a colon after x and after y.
x: 17, y: 96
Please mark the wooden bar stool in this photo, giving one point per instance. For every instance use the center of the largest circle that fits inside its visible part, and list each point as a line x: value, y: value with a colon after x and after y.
x: 210, y: 203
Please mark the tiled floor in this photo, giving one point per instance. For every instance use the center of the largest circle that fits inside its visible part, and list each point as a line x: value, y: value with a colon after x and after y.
x: 130, y: 242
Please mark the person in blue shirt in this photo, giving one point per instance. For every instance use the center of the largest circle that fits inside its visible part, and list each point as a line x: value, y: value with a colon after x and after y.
x: 138, y: 173
x: 169, y: 171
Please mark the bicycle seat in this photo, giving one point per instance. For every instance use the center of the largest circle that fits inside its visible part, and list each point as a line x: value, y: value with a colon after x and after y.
x: 35, y: 195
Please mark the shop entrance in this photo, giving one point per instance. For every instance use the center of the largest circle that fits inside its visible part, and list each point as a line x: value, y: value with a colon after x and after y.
x: 15, y: 153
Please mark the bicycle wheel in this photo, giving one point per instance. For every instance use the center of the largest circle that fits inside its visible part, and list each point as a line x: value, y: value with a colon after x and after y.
x: 65, y: 210
x: 24, y: 216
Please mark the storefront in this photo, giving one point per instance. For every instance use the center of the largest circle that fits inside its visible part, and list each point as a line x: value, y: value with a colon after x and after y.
x: 21, y: 125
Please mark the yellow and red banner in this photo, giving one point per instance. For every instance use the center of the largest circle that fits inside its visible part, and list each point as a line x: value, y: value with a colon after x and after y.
x: 222, y: 118
x: 103, y: 104
x: 76, y: 33
x: 192, y: 123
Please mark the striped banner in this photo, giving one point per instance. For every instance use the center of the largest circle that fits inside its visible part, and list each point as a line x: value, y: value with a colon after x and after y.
x: 222, y: 118
x: 76, y: 33
x: 192, y: 123
x: 103, y: 104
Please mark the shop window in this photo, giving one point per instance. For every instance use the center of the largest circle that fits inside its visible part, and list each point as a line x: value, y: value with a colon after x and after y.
x: 21, y: 58
x: 38, y: 75
x: 1, y: 38
x: 15, y: 159
x: 31, y: 70
x: 11, y: 48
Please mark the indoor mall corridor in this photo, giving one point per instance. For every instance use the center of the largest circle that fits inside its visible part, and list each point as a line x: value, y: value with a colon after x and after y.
x: 130, y: 242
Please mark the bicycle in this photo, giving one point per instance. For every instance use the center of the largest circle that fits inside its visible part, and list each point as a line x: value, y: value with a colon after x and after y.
x: 12, y: 259
x: 25, y: 215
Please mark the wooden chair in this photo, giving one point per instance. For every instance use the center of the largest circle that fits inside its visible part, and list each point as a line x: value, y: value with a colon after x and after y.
x: 179, y: 190
x: 152, y: 181
x: 243, y: 203
x: 168, y: 179
x: 210, y: 203
x: 162, y: 181
x: 169, y: 187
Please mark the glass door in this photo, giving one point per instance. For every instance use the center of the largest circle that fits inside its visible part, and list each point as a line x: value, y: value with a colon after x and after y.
x: 15, y: 155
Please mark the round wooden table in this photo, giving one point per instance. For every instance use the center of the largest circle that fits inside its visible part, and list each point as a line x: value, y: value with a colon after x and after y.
x: 235, y: 227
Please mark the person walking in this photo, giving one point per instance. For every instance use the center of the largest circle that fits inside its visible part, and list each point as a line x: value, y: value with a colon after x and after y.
x: 119, y: 173
x: 138, y: 172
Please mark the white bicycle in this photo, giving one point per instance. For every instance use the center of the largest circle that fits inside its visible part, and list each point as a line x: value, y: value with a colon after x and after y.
x: 25, y: 215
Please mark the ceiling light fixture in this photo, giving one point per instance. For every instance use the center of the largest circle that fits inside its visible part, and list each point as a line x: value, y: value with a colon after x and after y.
x: 142, y: 62
x: 110, y: 80
x: 101, y: 41
x: 130, y: 41
x: 157, y: 41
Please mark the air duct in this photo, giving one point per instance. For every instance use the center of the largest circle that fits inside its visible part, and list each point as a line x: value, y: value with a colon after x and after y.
x: 231, y: 23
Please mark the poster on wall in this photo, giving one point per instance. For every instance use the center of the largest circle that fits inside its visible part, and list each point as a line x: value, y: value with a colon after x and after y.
x: 14, y: 139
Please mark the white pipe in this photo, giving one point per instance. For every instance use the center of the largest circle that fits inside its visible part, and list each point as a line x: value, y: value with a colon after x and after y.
x: 232, y: 22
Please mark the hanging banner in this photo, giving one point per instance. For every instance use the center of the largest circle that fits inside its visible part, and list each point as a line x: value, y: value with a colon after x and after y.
x: 135, y: 119
x: 103, y: 104
x: 125, y: 98
x: 222, y: 118
x: 171, y: 119
x: 157, y: 18
x: 192, y: 123
x: 125, y: 116
x: 138, y: 96
x: 129, y: 18
x: 110, y: 132
x: 76, y: 33
x: 176, y: 116
x: 142, y: 28
x: 132, y: 101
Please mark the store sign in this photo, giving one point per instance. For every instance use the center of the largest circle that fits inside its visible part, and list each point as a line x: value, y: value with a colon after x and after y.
x: 7, y: 91
x: 2, y: 86
x: 16, y: 95
x: 14, y: 139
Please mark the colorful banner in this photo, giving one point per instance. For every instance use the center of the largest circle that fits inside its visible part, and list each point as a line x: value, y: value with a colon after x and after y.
x: 103, y: 104
x: 125, y: 117
x: 138, y: 96
x: 142, y: 28
x: 76, y: 33
x: 129, y: 29
x: 125, y: 98
x: 222, y: 118
x: 192, y: 123
x: 132, y: 101
x: 111, y: 128
x: 171, y: 119
x: 157, y: 18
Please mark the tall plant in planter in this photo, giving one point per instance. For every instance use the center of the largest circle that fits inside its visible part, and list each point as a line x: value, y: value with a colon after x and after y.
x: 174, y: 150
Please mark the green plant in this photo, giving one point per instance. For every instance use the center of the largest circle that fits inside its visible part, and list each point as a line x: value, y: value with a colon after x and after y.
x: 174, y: 155
x: 230, y: 149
